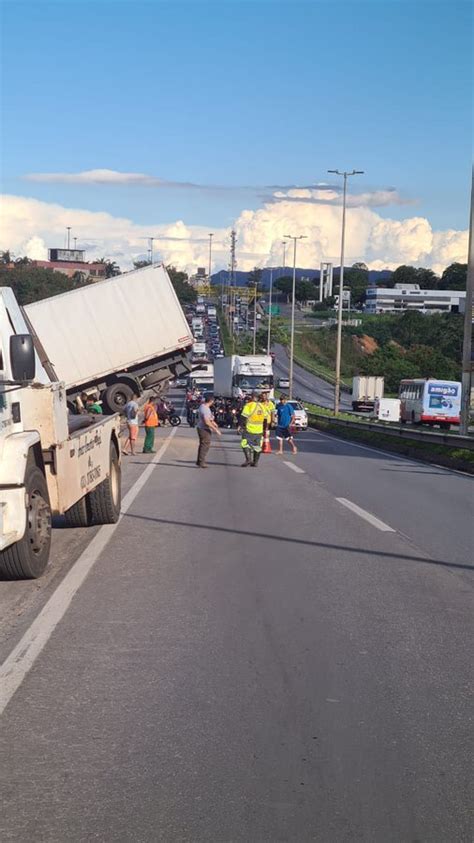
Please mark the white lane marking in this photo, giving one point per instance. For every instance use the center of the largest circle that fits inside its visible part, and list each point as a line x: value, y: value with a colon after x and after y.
x: 22, y: 658
x: 367, y: 516
x: 294, y: 467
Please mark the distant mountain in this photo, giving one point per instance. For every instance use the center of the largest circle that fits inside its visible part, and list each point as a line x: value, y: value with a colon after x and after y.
x: 377, y: 277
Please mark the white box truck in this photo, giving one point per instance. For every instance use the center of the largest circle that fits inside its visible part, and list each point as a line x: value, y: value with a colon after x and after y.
x: 365, y: 390
x: 47, y: 467
x: 119, y: 336
x: 236, y: 376
x: 202, y: 378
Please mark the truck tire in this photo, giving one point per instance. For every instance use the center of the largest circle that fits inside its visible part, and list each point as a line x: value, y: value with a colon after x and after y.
x: 78, y: 515
x: 104, y: 501
x: 28, y: 558
x: 116, y: 396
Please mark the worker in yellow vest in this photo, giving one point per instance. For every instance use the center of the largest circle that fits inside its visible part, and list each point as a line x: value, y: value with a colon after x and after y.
x: 254, y: 414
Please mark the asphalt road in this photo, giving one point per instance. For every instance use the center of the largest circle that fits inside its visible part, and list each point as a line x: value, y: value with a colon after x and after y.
x: 308, y: 387
x: 252, y: 658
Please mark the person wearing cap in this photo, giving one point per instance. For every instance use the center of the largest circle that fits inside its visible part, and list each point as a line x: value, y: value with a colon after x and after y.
x: 252, y: 418
x: 271, y: 409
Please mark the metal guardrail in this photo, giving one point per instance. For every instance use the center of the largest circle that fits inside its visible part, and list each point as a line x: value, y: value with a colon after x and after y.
x: 453, y: 440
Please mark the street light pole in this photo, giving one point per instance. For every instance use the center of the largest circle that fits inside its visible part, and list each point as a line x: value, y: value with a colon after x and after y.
x: 337, y: 387
x: 467, y: 343
x: 210, y: 259
x: 270, y: 312
x: 292, y: 334
x: 255, y: 320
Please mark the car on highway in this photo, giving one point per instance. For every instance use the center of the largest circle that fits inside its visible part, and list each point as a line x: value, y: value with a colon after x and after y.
x: 300, y: 420
x: 180, y: 382
x: 283, y: 383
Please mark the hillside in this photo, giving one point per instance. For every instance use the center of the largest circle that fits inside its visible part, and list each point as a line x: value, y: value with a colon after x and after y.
x: 396, y: 346
x: 241, y: 278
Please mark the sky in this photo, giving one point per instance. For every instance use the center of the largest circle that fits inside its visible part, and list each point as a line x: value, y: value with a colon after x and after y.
x: 175, y: 119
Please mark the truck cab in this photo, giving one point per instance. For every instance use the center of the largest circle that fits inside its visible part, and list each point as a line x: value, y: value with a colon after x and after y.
x: 46, y: 469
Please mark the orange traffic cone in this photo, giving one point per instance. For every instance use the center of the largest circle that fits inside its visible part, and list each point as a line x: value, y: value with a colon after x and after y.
x: 267, y: 448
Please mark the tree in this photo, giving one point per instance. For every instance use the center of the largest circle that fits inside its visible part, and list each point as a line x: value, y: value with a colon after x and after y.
x: 139, y: 264
x: 391, y: 362
x: 111, y: 268
x: 285, y: 284
x: 5, y: 257
x: 32, y: 283
x: 304, y: 290
x: 403, y: 275
x: 454, y: 277
x: 185, y: 292
x: 357, y: 279
x: 427, y: 279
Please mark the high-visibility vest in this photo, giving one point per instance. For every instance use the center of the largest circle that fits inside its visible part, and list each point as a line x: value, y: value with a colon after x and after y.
x: 255, y: 414
x: 151, y: 416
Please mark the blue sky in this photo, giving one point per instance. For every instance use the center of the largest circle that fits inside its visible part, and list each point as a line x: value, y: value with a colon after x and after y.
x: 238, y: 94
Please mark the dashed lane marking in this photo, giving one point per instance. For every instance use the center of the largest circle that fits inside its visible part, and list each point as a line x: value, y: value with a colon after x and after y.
x: 367, y: 516
x: 294, y: 467
x: 22, y: 658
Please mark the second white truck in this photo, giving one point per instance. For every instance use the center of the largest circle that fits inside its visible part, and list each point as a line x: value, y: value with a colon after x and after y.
x: 366, y: 389
x: 236, y: 376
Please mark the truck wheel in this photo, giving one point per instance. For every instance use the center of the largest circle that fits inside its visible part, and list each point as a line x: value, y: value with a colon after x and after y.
x: 78, y: 515
x: 104, y: 501
x: 27, y: 559
x: 116, y: 396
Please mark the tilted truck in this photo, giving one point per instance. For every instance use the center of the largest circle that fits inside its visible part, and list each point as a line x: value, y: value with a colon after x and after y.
x: 366, y: 389
x: 121, y: 335
x: 45, y: 468
x: 237, y: 375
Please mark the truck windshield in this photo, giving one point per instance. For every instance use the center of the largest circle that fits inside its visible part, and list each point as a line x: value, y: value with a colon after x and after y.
x: 255, y: 381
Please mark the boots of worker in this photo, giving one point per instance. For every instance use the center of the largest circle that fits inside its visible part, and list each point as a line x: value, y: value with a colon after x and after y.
x: 256, y: 457
x: 248, y: 460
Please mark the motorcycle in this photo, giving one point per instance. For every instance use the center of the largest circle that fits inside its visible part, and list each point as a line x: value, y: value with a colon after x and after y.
x: 192, y: 415
x: 170, y: 416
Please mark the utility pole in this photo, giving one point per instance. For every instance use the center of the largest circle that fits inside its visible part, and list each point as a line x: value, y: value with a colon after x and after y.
x: 150, y: 250
x: 269, y: 344
x: 337, y: 387
x: 467, y: 343
x: 233, y: 262
x: 292, y: 335
x: 68, y: 236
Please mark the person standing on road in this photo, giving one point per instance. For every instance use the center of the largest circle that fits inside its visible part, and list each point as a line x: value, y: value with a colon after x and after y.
x: 271, y: 410
x: 285, y: 415
x: 131, y: 414
x: 253, y: 415
x: 150, y: 418
x: 205, y: 427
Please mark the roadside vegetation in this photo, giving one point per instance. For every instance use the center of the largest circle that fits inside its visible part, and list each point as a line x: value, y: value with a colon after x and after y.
x: 409, y: 345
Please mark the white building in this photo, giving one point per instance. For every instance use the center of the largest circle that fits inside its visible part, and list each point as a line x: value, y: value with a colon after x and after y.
x: 404, y: 297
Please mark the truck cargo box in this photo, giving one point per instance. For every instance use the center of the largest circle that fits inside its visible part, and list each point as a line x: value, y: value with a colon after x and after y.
x: 110, y: 326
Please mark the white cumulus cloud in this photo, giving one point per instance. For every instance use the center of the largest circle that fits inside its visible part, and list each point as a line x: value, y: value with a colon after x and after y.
x: 30, y: 226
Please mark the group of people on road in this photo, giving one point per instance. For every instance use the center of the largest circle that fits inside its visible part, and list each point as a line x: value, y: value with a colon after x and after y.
x: 257, y: 416
x: 155, y: 411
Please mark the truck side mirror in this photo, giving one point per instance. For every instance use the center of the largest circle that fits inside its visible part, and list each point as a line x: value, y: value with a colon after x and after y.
x: 22, y: 357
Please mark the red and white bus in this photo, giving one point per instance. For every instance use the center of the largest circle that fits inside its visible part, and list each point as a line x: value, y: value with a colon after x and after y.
x: 430, y: 402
